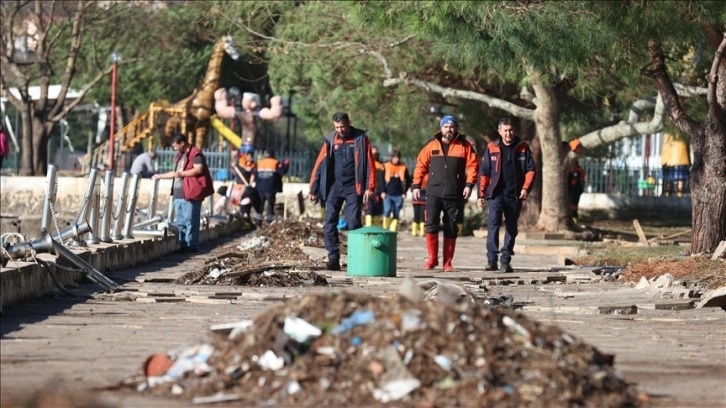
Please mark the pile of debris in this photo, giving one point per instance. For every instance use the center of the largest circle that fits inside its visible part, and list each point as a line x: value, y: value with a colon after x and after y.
x: 343, y: 348
x: 272, y: 255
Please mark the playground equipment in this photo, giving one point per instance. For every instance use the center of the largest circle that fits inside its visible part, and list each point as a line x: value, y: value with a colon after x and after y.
x: 193, y: 115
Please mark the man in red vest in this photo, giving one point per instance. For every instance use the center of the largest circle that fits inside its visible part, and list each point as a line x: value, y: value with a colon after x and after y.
x: 192, y: 184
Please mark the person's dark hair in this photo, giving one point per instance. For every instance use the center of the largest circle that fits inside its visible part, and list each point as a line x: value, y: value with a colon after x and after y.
x: 396, y: 153
x: 179, y: 138
x: 341, y: 117
x: 505, y: 121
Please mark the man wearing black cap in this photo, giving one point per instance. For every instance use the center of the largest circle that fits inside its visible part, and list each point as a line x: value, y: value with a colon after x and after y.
x: 450, y: 162
x: 344, y: 172
x: 505, y: 179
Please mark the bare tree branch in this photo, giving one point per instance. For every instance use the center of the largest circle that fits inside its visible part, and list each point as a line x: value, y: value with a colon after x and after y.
x: 515, y: 110
x: 626, y: 129
x: 86, y: 88
x: 70, y: 61
x: 667, y: 90
x: 689, y: 91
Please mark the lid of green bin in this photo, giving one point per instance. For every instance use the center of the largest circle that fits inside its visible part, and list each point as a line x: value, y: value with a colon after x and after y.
x: 371, y: 231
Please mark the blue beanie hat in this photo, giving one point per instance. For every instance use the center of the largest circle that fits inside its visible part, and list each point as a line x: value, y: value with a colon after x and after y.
x: 448, y: 120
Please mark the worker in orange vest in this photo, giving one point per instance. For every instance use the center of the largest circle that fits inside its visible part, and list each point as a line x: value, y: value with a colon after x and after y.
x: 269, y: 182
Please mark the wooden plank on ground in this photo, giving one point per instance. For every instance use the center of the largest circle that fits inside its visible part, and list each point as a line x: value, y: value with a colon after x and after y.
x: 641, y: 234
x: 720, y: 249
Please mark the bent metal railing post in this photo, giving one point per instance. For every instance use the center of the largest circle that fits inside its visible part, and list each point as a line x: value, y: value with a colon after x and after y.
x: 120, y: 207
x: 106, y: 208
x: 49, y: 199
x: 23, y: 249
x: 91, y: 272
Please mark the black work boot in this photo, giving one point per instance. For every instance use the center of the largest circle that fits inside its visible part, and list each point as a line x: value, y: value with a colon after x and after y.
x: 492, y: 266
x: 333, y: 265
x: 506, y: 268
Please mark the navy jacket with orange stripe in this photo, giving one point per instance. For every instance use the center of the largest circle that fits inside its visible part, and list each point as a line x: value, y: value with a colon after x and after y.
x: 365, y: 178
x: 491, y: 168
x: 449, y: 174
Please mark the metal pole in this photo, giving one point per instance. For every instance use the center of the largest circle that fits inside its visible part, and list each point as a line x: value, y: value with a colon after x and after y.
x: 42, y: 244
x: 95, y: 221
x: 151, y: 221
x: 170, y: 210
x: 87, y: 197
x: 91, y: 272
x: 50, y: 190
x: 107, y: 209
x: 131, y: 205
x: 154, y: 198
x: 120, y: 206
x: 113, y: 115
x: 151, y: 233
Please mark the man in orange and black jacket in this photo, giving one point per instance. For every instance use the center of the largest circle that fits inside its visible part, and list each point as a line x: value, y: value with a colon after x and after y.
x: 450, y: 162
x: 344, y: 172
x: 269, y: 182
x: 506, y: 177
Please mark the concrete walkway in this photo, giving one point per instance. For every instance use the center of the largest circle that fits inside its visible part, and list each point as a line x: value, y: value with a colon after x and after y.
x: 96, y: 340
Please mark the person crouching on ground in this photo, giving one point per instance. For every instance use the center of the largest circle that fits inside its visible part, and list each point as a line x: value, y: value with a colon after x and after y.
x: 506, y: 177
x: 450, y: 162
x: 344, y: 172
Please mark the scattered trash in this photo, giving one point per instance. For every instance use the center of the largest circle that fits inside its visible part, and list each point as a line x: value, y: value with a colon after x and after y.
x: 269, y: 361
x: 260, y: 242
x: 358, y: 318
x: 395, y: 390
x: 339, y: 348
x: 300, y: 330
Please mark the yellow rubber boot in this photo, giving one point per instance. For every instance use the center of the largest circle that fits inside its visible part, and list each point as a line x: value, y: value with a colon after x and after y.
x: 385, y: 222
x: 369, y: 220
x: 414, y: 229
x: 394, y: 225
x: 459, y: 229
x: 422, y: 229
x: 377, y: 220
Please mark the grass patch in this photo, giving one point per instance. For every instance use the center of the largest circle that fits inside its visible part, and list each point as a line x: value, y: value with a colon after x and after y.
x: 651, y: 262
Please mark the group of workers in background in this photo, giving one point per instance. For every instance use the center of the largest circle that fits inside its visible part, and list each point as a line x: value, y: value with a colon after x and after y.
x: 348, y: 171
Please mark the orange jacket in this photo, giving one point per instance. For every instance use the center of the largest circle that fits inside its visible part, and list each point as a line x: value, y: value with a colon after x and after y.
x: 396, y: 178
x: 448, y: 174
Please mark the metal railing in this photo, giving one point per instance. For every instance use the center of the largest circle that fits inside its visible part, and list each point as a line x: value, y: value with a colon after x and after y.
x: 604, y: 176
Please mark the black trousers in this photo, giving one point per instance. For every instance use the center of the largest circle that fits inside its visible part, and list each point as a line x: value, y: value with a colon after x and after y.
x: 450, y: 208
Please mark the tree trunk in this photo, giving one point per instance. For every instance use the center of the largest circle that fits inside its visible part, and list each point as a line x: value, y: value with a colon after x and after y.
x: 708, y: 197
x: 708, y: 182
x: 27, y: 146
x: 40, y: 141
x: 553, y: 216
x: 708, y: 143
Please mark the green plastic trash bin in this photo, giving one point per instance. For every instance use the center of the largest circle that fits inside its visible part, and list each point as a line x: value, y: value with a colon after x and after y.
x: 372, y: 252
